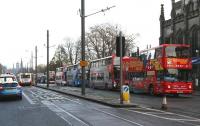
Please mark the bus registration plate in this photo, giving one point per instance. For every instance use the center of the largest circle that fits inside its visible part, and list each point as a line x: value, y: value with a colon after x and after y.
x: 180, y: 92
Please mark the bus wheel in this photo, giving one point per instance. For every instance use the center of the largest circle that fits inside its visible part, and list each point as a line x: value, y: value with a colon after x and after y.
x: 151, y: 91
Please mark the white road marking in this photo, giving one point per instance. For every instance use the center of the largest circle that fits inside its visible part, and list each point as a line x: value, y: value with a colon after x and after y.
x: 59, y: 97
x: 54, y: 107
x: 29, y: 99
x: 171, y: 119
x: 135, y: 123
x: 65, y: 120
x: 193, y: 118
x: 74, y: 101
x: 159, y: 113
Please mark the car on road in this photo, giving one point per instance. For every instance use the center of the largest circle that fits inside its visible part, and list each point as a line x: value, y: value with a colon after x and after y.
x: 9, y: 86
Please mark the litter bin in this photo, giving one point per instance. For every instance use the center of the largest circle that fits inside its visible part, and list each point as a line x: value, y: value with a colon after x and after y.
x: 125, y: 94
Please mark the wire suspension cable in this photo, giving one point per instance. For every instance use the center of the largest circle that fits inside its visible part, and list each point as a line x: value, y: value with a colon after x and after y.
x: 102, y: 10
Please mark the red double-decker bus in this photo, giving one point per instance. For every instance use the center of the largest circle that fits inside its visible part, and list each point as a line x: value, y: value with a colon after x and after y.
x: 166, y: 70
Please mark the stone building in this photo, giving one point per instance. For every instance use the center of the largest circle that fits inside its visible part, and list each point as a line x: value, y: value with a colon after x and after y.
x: 183, y: 27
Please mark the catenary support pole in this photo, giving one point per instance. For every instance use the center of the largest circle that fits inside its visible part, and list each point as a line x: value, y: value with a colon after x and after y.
x: 47, y: 58
x: 35, y: 65
x: 121, y: 72
x: 83, y: 44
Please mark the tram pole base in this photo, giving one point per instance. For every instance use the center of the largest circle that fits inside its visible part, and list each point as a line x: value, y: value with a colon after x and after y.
x: 164, y: 107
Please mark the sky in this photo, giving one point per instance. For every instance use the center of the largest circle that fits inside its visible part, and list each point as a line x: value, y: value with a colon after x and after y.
x: 24, y: 24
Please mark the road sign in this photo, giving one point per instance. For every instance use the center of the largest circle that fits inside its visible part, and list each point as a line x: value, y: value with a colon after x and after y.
x: 83, y: 63
x: 125, y: 89
x: 125, y: 94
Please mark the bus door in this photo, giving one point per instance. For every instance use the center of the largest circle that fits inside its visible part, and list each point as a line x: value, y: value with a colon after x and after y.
x: 150, y: 82
x: 159, y: 81
x: 137, y: 82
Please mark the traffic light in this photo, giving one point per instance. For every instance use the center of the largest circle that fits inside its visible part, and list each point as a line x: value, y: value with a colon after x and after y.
x: 138, y: 51
x: 118, y: 46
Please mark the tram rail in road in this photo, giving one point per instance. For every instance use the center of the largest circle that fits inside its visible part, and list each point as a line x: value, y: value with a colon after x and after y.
x: 80, y: 112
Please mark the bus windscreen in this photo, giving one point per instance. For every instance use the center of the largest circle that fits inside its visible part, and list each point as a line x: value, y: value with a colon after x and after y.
x: 177, y: 52
x: 177, y: 75
x: 25, y: 76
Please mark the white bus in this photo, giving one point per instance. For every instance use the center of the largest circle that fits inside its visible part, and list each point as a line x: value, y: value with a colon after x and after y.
x: 25, y: 79
x: 61, y: 76
x: 105, y: 72
x: 101, y: 73
x: 74, y: 75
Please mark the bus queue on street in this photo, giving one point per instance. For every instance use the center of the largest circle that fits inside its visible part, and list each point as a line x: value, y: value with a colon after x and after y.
x: 165, y: 69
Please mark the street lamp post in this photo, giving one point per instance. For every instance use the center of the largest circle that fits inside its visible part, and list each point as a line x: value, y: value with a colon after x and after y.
x: 47, y: 58
x: 121, y: 69
x: 83, y: 16
x: 35, y: 65
x: 83, y: 44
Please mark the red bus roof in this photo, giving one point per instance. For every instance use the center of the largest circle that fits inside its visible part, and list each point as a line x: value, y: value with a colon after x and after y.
x: 165, y: 45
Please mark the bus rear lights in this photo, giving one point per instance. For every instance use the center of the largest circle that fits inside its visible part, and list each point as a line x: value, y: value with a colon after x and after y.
x: 190, y: 86
x: 168, y: 86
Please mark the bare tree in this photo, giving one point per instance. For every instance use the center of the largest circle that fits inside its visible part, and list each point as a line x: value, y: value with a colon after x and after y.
x: 73, y: 50
x: 41, y: 68
x: 77, y: 51
x: 60, y: 56
x: 101, y: 40
x: 69, y: 48
x: 130, y: 43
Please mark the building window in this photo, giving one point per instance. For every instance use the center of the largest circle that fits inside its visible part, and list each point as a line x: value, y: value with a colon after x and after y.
x: 179, y: 37
x: 195, y: 40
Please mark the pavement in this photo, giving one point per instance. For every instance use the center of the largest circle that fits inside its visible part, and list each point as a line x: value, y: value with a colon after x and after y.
x: 98, y: 96
x: 109, y: 98
x: 197, y: 93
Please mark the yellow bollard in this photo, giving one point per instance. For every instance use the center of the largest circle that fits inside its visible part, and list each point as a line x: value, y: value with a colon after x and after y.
x: 125, y: 94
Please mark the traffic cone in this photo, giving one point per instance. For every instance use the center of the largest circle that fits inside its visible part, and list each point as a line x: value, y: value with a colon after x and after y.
x: 164, y: 103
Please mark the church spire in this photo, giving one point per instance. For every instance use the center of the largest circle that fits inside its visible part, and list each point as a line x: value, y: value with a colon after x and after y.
x: 162, y: 22
x: 173, y: 2
x: 173, y: 13
x: 21, y: 66
x: 162, y: 15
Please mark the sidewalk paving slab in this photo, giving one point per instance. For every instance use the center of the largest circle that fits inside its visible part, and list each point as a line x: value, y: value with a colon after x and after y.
x: 98, y: 96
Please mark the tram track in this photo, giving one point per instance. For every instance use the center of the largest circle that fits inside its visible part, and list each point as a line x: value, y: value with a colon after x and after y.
x: 71, y: 117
